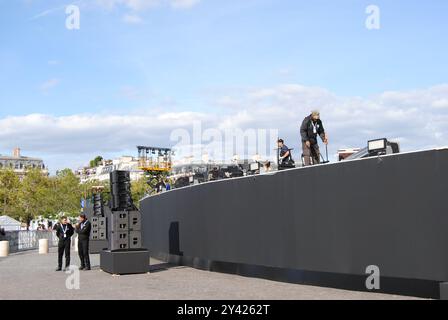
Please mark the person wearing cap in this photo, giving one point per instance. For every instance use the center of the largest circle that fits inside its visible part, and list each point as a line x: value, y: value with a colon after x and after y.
x: 64, y: 232
x: 309, y: 130
x: 83, y: 229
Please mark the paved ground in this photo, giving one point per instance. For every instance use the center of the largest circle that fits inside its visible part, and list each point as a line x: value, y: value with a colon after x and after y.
x: 28, y: 275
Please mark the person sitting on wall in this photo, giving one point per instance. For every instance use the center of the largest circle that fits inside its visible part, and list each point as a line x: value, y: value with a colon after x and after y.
x: 310, y: 128
x: 285, y: 158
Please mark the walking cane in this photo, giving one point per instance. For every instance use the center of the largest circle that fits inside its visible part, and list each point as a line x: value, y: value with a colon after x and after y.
x: 326, y: 151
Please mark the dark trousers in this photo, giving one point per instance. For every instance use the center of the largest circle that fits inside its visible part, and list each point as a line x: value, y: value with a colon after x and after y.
x: 83, y: 251
x: 311, y: 153
x: 64, y: 245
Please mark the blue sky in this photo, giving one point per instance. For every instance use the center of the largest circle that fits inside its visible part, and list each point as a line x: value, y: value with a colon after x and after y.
x: 186, y: 59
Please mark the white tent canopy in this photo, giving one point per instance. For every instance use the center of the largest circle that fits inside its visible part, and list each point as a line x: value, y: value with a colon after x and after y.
x: 9, y: 224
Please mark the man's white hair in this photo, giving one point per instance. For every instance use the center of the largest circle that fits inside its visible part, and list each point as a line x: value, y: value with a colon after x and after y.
x: 315, y: 113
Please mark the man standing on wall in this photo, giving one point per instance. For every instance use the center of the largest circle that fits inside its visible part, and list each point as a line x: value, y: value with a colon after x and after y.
x: 64, y: 232
x: 83, y: 229
x: 309, y: 130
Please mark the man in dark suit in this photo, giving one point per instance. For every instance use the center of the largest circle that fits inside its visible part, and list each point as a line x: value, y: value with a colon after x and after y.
x: 64, y: 232
x: 83, y: 229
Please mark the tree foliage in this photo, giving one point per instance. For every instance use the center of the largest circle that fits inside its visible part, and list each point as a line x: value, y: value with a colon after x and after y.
x: 39, y: 195
x: 139, y: 189
x: 9, y: 191
x: 95, y: 162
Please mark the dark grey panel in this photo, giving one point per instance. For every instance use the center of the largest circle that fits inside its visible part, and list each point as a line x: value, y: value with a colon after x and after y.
x: 124, y: 262
x: 96, y: 246
x: 339, y: 218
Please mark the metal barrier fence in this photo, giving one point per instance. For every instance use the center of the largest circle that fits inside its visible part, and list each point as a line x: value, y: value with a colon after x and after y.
x: 28, y: 240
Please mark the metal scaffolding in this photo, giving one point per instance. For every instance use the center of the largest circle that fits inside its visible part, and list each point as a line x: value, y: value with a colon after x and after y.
x: 154, y: 159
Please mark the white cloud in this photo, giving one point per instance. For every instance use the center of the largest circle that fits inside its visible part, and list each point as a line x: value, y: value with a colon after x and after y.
x: 418, y: 119
x: 183, y: 4
x: 132, y: 19
x: 132, y: 6
x: 86, y: 133
x: 285, y: 72
x: 108, y: 4
x: 129, y: 92
x: 440, y: 103
x: 141, y: 5
x: 49, y: 84
x: 46, y: 13
x: 56, y: 9
x: 419, y: 116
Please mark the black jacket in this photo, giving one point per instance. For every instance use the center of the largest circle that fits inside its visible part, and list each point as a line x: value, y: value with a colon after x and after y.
x: 84, y: 233
x: 307, y: 132
x: 60, y: 233
x: 283, y: 151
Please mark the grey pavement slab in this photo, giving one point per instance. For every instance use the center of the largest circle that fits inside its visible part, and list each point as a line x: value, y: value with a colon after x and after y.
x: 28, y: 275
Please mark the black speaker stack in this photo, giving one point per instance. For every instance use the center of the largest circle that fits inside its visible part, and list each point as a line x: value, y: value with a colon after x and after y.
x: 98, y: 234
x: 125, y: 254
x: 120, y: 190
x: 99, y: 231
x: 98, y: 207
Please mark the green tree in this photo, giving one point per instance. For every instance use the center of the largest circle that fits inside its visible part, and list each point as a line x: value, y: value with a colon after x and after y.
x: 39, y: 195
x: 9, y: 190
x: 33, y: 195
x: 87, y: 192
x: 139, y: 189
x: 66, y: 193
x: 95, y: 162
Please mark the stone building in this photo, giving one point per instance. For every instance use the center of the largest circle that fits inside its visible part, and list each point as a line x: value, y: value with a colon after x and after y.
x: 102, y: 172
x: 20, y: 164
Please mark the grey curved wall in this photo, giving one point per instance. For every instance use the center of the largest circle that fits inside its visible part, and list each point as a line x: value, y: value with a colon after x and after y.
x: 339, y: 218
